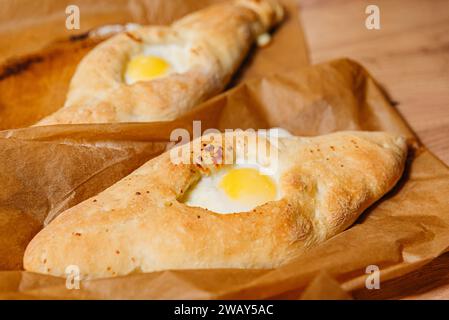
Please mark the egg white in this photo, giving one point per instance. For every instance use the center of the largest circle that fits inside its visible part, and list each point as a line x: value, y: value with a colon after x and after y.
x: 207, y: 193
x: 177, y: 56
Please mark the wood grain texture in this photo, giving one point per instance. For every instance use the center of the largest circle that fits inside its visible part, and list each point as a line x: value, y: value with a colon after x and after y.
x: 409, y: 55
x: 429, y: 282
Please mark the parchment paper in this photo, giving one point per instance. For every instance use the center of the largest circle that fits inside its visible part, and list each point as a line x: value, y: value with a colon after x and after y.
x: 48, y: 169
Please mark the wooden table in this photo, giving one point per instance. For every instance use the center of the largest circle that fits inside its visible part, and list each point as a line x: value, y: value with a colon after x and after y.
x: 409, y: 55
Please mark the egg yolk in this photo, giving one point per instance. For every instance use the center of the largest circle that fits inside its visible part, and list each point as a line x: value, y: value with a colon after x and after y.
x: 144, y: 68
x: 248, y: 186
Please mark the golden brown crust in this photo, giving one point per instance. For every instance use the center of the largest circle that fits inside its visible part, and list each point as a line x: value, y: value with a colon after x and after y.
x: 141, y: 225
x: 215, y: 41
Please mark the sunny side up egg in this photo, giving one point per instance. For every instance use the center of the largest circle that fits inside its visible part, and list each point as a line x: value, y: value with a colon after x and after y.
x: 156, y: 61
x: 234, y: 189
x: 239, y: 187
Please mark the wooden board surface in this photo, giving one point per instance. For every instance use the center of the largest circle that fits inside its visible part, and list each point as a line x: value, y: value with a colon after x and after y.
x: 409, y: 55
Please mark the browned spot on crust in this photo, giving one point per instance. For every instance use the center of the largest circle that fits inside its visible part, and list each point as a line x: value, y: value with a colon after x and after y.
x: 117, y: 251
x: 78, y: 234
x: 134, y: 37
x: 138, y: 193
x: 194, y: 51
x: 79, y: 37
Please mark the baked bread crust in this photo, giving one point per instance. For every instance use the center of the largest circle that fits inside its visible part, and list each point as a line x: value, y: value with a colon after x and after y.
x: 216, y: 40
x: 140, y: 224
